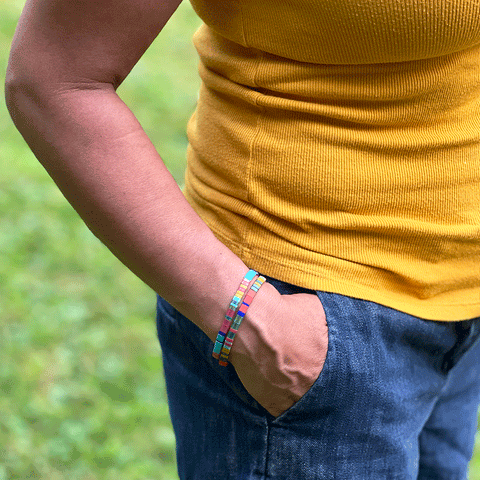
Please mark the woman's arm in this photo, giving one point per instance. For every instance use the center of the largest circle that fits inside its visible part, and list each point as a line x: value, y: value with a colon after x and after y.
x: 67, y: 59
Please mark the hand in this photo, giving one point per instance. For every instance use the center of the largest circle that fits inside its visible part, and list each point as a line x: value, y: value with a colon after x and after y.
x: 280, y: 348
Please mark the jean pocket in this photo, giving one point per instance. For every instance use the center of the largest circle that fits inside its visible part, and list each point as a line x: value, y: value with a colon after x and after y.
x: 321, y: 388
x: 189, y: 344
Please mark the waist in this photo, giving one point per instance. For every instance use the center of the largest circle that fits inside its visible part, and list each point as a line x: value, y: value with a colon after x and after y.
x: 371, y: 179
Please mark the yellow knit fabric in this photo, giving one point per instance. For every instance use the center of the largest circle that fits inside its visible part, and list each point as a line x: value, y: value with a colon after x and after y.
x: 335, y: 146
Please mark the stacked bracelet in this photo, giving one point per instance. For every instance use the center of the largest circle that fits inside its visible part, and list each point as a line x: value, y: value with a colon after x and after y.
x: 251, y: 274
x: 228, y: 340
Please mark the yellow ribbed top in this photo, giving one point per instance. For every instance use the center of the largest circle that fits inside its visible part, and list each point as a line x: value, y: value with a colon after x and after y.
x: 335, y: 145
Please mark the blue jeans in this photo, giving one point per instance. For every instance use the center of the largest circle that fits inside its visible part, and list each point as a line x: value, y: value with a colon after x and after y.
x: 397, y: 399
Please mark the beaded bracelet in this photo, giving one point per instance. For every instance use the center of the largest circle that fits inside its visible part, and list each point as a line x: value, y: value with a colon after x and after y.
x: 251, y: 274
x: 227, y: 345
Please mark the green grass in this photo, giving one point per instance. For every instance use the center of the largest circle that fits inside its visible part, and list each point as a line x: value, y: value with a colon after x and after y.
x: 82, y: 391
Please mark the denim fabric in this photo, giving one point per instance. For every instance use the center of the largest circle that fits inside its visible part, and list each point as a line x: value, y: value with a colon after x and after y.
x: 397, y: 399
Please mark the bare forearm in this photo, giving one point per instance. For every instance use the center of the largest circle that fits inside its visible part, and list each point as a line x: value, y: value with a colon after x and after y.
x: 107, y: 168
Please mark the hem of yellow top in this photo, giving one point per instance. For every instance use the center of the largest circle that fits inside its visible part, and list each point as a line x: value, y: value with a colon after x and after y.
x: 424, y: 309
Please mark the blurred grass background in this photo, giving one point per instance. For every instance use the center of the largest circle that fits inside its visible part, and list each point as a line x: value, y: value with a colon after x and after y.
x: 82, y: 395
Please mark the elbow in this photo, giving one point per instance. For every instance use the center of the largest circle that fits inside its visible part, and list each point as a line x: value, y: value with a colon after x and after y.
x: 28, y: 97
x: 15, y: 100
x: 13, y: 88
x: 27, y: 89
x: 29, y: 85
x: 18, y: 100
x: 19, y: 92
x: 28, y: 100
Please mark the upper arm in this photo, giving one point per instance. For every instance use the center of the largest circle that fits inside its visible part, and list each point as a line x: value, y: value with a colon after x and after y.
x: 84, y: 41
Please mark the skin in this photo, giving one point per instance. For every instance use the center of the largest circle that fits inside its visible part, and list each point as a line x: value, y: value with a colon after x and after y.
x: 67, y: 59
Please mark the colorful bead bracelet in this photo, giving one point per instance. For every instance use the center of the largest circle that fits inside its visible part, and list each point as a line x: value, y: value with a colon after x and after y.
x: 228, y: 341
x: 251, y: 274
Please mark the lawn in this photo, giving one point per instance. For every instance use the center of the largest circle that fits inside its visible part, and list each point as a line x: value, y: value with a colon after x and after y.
x: 82, y: 390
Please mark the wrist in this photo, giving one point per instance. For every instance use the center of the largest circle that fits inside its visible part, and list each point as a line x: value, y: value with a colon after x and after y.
x: 253, y: 336
x: 208, y: 305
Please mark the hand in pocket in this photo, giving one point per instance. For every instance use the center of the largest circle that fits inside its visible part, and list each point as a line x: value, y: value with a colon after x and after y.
x: 280, y: 348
